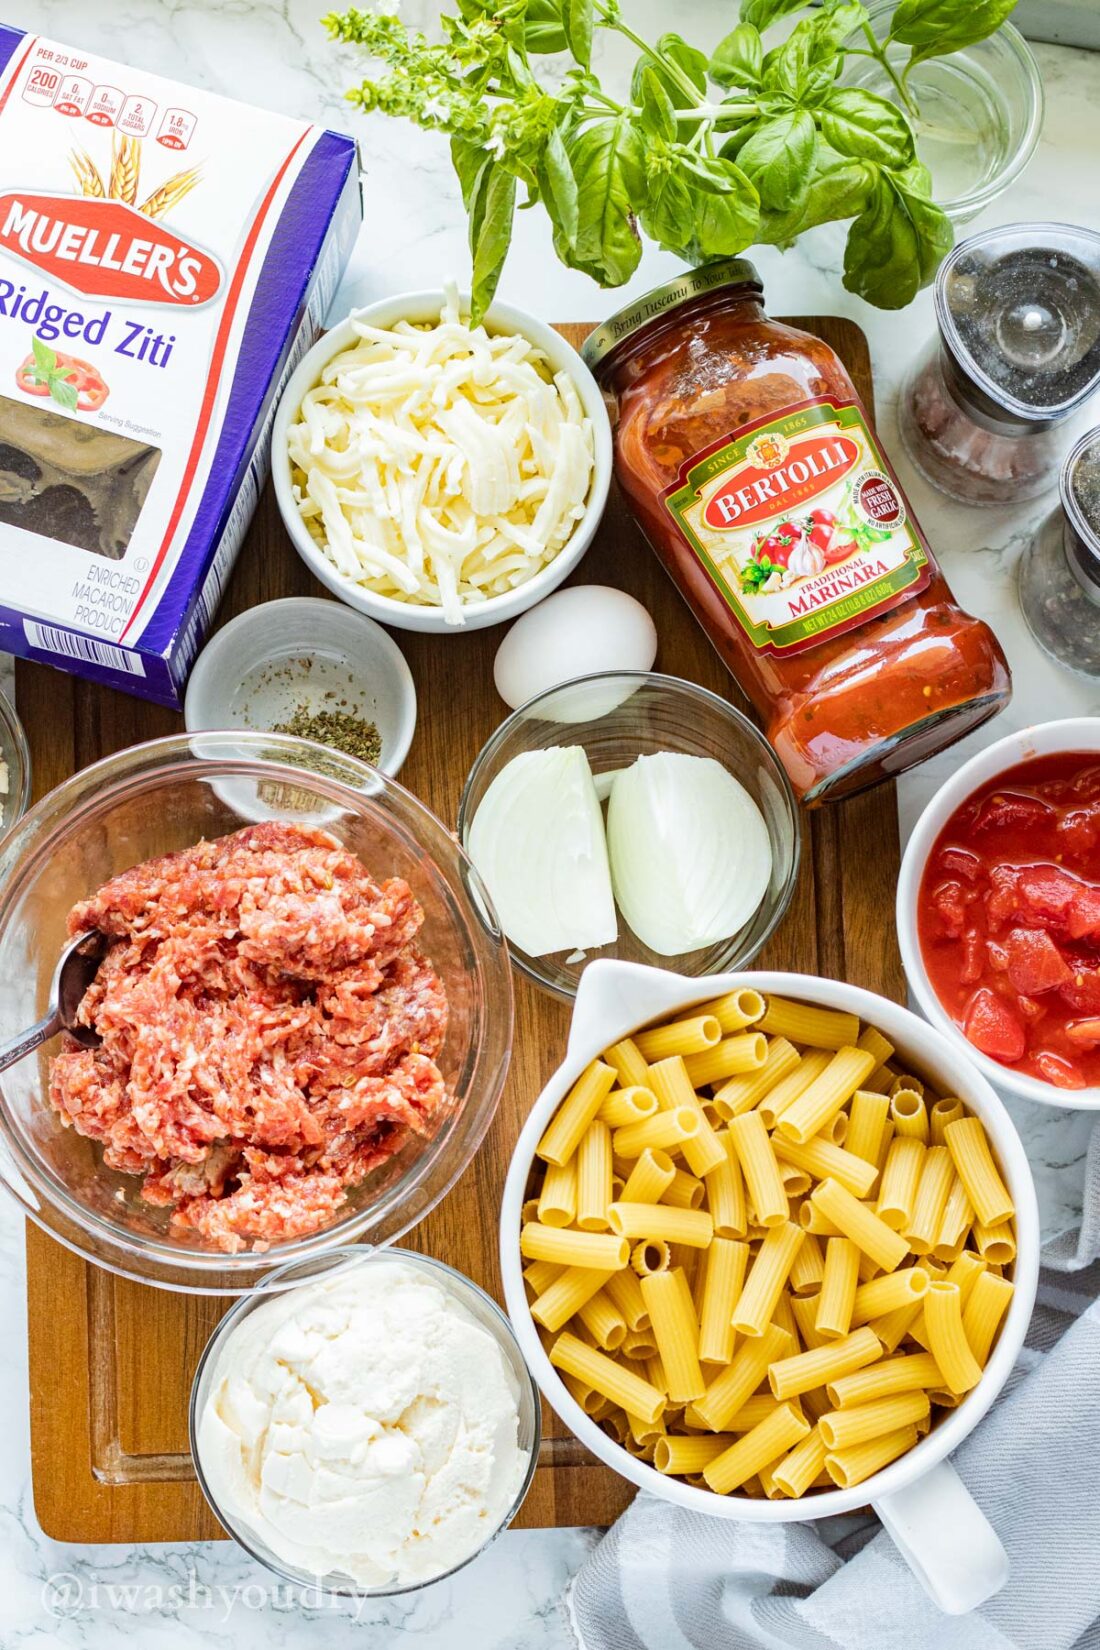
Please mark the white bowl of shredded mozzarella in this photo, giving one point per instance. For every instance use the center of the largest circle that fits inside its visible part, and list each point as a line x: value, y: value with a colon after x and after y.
x: 436, y: 475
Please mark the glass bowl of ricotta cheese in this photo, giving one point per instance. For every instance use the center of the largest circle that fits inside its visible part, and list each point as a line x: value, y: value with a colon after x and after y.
x: 364, y: 1422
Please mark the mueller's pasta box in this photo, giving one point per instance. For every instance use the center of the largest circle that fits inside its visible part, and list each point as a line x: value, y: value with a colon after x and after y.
x: 166, y: 256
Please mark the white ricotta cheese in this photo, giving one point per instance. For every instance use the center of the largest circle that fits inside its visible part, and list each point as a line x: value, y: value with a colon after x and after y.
x: 366, y: 1424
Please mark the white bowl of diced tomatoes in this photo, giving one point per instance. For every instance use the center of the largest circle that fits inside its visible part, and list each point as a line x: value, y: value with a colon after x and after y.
x: 998, y: 912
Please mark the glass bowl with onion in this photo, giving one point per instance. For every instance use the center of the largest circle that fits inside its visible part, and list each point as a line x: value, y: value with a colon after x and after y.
x: 633, y: 815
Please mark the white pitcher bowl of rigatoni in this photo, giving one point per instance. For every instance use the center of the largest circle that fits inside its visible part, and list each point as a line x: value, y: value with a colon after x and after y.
x: 770, y: 1245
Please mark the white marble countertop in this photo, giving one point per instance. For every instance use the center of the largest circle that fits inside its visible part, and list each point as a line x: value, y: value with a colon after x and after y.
x: 274, y: 52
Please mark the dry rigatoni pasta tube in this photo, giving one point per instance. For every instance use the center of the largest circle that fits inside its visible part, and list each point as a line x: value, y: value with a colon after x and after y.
x: 754, y: 1410
x: 651, y: 1255
x: 589, y: 1401
x: 726, y: 1193
x: 947, y: 1340
x: 873, y: 1042
x: 838, y: 1289
x: 672, y: 1086
x: 802, y: 1023
x: 942, y: 1113
x: 740, y: 1094
x: 861, y: 1224
x: 797, y: 1471
x: 529, y: 1211
x: 789, y: 1377
x: 684, y: 1191
x: 784, y: 1314
x: 566, y: 1295
x: 824, y: 1160
x: 745, y: 1052
x: 774, y: 1103
x: 807, y: 1115
x: 916, y: 1372
x: 813, y: 1221
x: 540, y: 1275
x: 638, y: 1343
x: 955, y: 1222
x: 756, y: 1449
x: 796, y: 1182
x: 909, y: 1114
x: 726, y: 1264
x: 603, y: 1321
x: 763, y: 1182
x: 566, y: 1247
x: 904, y: 1080
x: 628, y: 1063
x: 808, y: 1267
x: 996, y: 1244
x: 629, y: 1105
x: 937, y: 1173
x: 653, y: 1171
x: 815, y: 1403
x: 767, y: 1275
x: 666, y: 1131
x: 804, y: 1311
x: 593, y: 1159
x: 672, y: 1316
x: 576, y: 1112
x: 968, y: 1144
x: 679, y: 1037
x: 849, y: 1467
x: 733, y: 1388
x: 901, y: 1175
x: 983, y: 1312
x: 680, y: 1454
x: 735, y: 1009
x: 692, y: 1227
x: 867, y: 1117
x: 621, y: 1386
x: 836, y: 1131
x: 845, y: 1428
x: 889, y: 1293
x: 643, y: 1431
x: 557, y: 1205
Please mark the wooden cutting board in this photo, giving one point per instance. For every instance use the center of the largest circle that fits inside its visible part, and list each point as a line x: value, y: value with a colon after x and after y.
x: 111, y: 1361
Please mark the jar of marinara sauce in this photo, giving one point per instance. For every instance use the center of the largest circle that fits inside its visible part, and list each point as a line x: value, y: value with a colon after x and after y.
x: 754, y: 471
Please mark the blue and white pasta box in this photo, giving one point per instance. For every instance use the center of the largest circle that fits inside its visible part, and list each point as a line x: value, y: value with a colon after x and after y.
x: 166, y: 258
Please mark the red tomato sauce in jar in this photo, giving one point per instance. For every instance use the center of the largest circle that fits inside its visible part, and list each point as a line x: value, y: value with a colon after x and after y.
x: 754, y: 471
x: 1008, y: 918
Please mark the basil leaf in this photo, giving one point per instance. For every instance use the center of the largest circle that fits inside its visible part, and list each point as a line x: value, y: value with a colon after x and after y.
x: 895, y: 245
x: 63, y: 393
x: 669, y: 212
x: 838, y: 189
x: 834, y: 23
x: 738, y: 59
x: 44, y: 356
x: 691, y: 63
x: 490, y: 233
x: 935, y: 28
x: 657, y: 117
x: 804, y: 67
x: 779, y: 156
x: 559, y: 188
x: 577, y: 20
x: 762, y: 12
x: 608, y: 161
x: 861, y: 124
x: 725, y: 220
x: 543, y: 28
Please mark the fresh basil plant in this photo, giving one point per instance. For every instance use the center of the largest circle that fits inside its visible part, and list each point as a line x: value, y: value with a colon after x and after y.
x: 707, y: 156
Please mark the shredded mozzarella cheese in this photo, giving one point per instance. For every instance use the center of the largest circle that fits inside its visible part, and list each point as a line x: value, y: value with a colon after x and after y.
x: 441, y: 465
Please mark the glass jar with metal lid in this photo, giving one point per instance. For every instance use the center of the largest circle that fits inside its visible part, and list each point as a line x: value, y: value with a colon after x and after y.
x: 1060, y: 569
x: 986, y: 413
x: 754, y: 471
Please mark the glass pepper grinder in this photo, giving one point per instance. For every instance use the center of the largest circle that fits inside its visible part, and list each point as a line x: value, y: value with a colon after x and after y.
x: 1060, y: 569
x: 985, y: 412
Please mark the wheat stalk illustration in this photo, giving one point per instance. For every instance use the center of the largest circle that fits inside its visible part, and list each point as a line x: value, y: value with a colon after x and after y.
x: 86, y: 173
x: 170, y: 193
x: 125, y: 167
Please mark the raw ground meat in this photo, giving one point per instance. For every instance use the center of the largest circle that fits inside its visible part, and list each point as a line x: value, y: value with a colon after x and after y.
x: 269, y: 1032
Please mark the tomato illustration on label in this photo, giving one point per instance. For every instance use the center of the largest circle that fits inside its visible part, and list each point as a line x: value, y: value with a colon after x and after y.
x: 76, y: 385
x: 799, y: 524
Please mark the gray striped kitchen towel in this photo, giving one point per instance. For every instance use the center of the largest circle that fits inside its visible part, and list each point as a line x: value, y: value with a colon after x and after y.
x: 666, y: 1579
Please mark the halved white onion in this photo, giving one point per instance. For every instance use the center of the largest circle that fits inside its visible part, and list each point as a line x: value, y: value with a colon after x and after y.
x: 690, y: 854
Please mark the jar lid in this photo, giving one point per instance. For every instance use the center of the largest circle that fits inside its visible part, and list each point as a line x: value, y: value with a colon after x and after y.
x: 1079, y: 492
x: 1018, y: 309
x: 691, y: 284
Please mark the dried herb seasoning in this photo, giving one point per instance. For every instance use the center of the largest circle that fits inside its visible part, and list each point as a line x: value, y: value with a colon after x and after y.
x: 338, y: 729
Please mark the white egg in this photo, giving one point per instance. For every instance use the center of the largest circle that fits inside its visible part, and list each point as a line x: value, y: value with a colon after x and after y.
x: 574, y: 632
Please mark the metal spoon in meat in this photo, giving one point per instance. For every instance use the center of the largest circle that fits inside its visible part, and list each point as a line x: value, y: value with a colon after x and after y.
x: 77, y: 968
